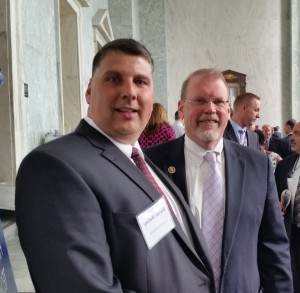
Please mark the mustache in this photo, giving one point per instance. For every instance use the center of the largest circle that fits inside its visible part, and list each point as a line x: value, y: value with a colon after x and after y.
x: 206, y: 117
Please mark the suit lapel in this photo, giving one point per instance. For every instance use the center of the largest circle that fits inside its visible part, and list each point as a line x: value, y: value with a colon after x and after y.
x: 230, y: 133
x: 235, y: 172
x: 200, y: 248
x: 109, y: 151
x: 174, y: 165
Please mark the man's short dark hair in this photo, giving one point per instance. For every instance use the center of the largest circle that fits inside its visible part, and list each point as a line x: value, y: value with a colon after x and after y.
x: 291, y: 122
x: 128, y: 46
x: 176, y: 115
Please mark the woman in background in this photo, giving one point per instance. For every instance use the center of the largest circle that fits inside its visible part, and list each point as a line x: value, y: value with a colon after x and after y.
x: 274, y: 157
x: 158, y: 129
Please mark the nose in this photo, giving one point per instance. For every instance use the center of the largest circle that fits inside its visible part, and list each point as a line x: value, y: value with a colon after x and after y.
x: 129, y: 90
x: 210, y: 106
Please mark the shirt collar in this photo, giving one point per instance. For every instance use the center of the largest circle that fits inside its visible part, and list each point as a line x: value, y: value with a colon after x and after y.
x: 124, y: 148
x: 237, y: 127
x: 199, y: 152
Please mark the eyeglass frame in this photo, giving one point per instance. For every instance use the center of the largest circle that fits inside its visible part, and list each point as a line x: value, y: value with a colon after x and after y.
x: 202, y: 101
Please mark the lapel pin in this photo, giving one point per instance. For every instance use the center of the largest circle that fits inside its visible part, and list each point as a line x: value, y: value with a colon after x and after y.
x: 171, y: 170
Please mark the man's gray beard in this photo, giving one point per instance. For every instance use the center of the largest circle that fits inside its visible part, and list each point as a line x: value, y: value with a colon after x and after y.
x: 208, y: 136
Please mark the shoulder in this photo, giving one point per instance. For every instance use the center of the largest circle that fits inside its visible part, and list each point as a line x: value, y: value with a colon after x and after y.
x: 288, y: 161
x: 243, y: 152
x: 164, y: 147
x: 167, y: 130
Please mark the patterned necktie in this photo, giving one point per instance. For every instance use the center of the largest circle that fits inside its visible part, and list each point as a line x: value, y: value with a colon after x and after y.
x: 297, y: 206
x: 242, y: 136
x: 213, y: 213
x: 141, y: 164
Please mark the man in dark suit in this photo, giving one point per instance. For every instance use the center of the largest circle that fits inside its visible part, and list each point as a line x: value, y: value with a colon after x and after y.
x: 287, y: 176
x: 246, y: 109
x: 271, y: 143
x: 89, y: 220
x: 255, y: 249
x: 284, y: 148
x: 276, y: 133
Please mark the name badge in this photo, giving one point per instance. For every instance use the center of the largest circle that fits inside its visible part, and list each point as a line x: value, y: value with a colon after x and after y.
x: 155, y: 222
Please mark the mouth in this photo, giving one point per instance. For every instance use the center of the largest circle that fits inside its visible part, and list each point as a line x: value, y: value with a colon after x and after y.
x: 127, y: 110
x: 208, y: 121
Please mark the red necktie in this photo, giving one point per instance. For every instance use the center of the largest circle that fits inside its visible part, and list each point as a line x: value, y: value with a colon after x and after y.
x: 141, y: 164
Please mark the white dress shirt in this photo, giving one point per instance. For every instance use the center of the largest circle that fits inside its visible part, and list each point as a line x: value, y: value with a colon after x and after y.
x: 196, y: 170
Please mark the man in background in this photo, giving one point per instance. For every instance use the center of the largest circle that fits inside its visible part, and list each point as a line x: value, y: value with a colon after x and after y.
x: 246, y: 109
x: 285, y: 143
x: 178, y: 125
x: 287, y: 176
x: 276, y: 133
x: 231, y: 191
x: 271, y: 142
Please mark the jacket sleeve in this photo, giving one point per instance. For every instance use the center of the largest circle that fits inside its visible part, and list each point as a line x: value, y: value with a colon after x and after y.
x: 61, y: 229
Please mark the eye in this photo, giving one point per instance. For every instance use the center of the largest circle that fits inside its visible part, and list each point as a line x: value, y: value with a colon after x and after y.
x: 141, y: 81
x: 200, y: 101
x: 113, y: 79
x: 220, y: 103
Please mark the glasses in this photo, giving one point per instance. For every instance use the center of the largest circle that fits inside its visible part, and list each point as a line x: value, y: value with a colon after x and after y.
x: 200, y: 101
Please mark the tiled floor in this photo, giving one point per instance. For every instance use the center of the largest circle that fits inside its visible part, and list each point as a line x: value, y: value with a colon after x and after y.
x: 17, y: 259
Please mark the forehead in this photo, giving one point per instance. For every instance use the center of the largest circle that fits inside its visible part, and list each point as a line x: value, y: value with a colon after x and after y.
x: 265, y: 128
x: 117, y: 60
x: 206, y: 87
x: 296, y: 128
x: 254, y: 103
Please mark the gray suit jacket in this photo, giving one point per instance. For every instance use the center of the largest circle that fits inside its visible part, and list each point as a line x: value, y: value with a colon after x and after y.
x: 252, y: 138
x: 255, y: 246
x: 76, y: 204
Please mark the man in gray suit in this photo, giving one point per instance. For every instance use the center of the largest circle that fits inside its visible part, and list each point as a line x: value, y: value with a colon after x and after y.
x: 89, y: 220
x: 246, y: 109
x: 254, y: 248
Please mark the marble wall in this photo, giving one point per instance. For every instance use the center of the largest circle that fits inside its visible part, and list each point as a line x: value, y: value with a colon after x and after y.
x: 39, y: 38
x: 251, y: 37
x: 120, y: 12
x: 295, y: 59
x: 153, y: 35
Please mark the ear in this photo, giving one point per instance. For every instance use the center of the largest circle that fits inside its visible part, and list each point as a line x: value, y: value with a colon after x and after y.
x: 88, y: 92
x: 180, y: 109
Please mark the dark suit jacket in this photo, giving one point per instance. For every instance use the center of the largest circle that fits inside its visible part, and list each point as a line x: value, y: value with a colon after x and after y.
x: 255, y: 245
x: 276, y: 134
x: 252, y: 138
x: 285, y: 147
x: 275, y: 145
x: 282, y: 172
x: 76, y: 204
x: 281, y: 175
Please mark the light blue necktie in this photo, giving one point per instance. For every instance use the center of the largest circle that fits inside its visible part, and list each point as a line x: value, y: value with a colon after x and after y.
x: 242, y: 137
x: 213, y: 213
